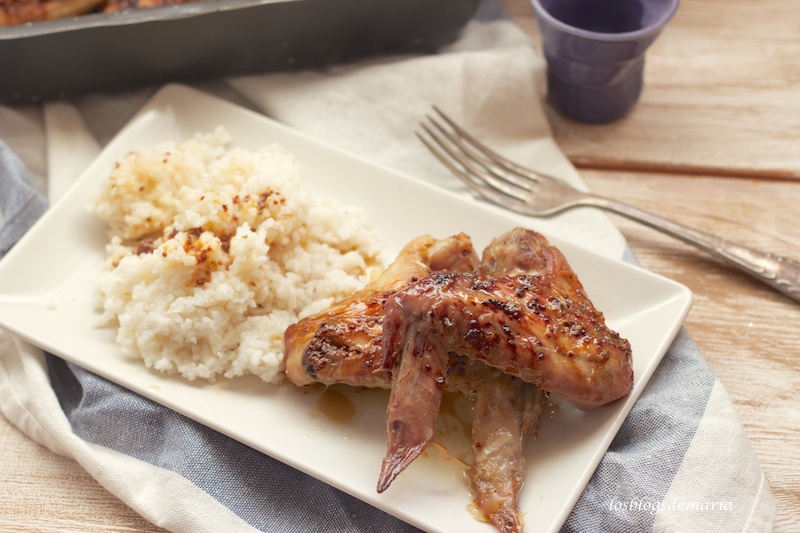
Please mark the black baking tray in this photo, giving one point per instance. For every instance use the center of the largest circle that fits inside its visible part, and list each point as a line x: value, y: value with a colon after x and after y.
x: 215, y: 38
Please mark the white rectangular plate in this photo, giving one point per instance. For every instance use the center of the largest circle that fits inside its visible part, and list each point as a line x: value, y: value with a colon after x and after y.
x: 46, y: 297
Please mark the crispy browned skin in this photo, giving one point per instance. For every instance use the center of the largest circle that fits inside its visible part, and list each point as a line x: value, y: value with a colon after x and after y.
x: 543, y: 330
x: 343, y: 344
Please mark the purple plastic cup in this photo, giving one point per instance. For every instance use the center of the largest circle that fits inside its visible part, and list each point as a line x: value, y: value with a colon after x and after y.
x: 595, y: 52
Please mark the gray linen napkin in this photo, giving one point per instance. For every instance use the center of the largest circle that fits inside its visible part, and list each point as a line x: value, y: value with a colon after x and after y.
x: 20, y: 203
x: 665, y: 470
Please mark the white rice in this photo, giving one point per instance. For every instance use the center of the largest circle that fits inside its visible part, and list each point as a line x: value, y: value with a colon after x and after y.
x: 239, y: 252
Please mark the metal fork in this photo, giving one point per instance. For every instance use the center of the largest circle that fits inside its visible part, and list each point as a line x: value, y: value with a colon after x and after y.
x: 532, y: 193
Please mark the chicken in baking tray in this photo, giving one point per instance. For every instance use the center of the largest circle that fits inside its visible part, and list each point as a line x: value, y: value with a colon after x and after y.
x: 502, y: 330
x: 14, y: 12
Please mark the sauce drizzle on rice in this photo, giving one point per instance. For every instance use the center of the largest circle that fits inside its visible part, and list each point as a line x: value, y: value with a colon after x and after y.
x: 214, y: 251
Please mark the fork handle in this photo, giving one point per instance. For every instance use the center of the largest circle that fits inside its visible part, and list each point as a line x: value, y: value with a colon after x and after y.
x: 779, y: 272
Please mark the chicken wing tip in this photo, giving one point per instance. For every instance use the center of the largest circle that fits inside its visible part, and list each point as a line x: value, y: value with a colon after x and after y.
x: 394, y: 463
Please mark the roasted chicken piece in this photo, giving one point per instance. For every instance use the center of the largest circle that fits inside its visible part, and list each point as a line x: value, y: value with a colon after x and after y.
x: 343, y: 344
x: 535, y: 323
x: 505, y: 407
x: 13, y: 12
x: 522, y: 325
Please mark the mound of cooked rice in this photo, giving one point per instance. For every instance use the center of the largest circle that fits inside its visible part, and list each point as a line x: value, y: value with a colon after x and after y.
x: 215, y: 250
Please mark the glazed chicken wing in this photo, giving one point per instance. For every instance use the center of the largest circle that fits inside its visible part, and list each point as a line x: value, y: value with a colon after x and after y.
x: 526, y: 314
x: 540, y: 328
x: 432, y: 350
x: 506, y: 408
x: 343, y: 344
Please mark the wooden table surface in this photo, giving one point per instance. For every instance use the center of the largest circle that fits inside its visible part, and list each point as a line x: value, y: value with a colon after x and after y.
x: 714, y: 143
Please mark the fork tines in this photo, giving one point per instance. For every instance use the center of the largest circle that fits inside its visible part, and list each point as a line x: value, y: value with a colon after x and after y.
x: 483, y: 170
